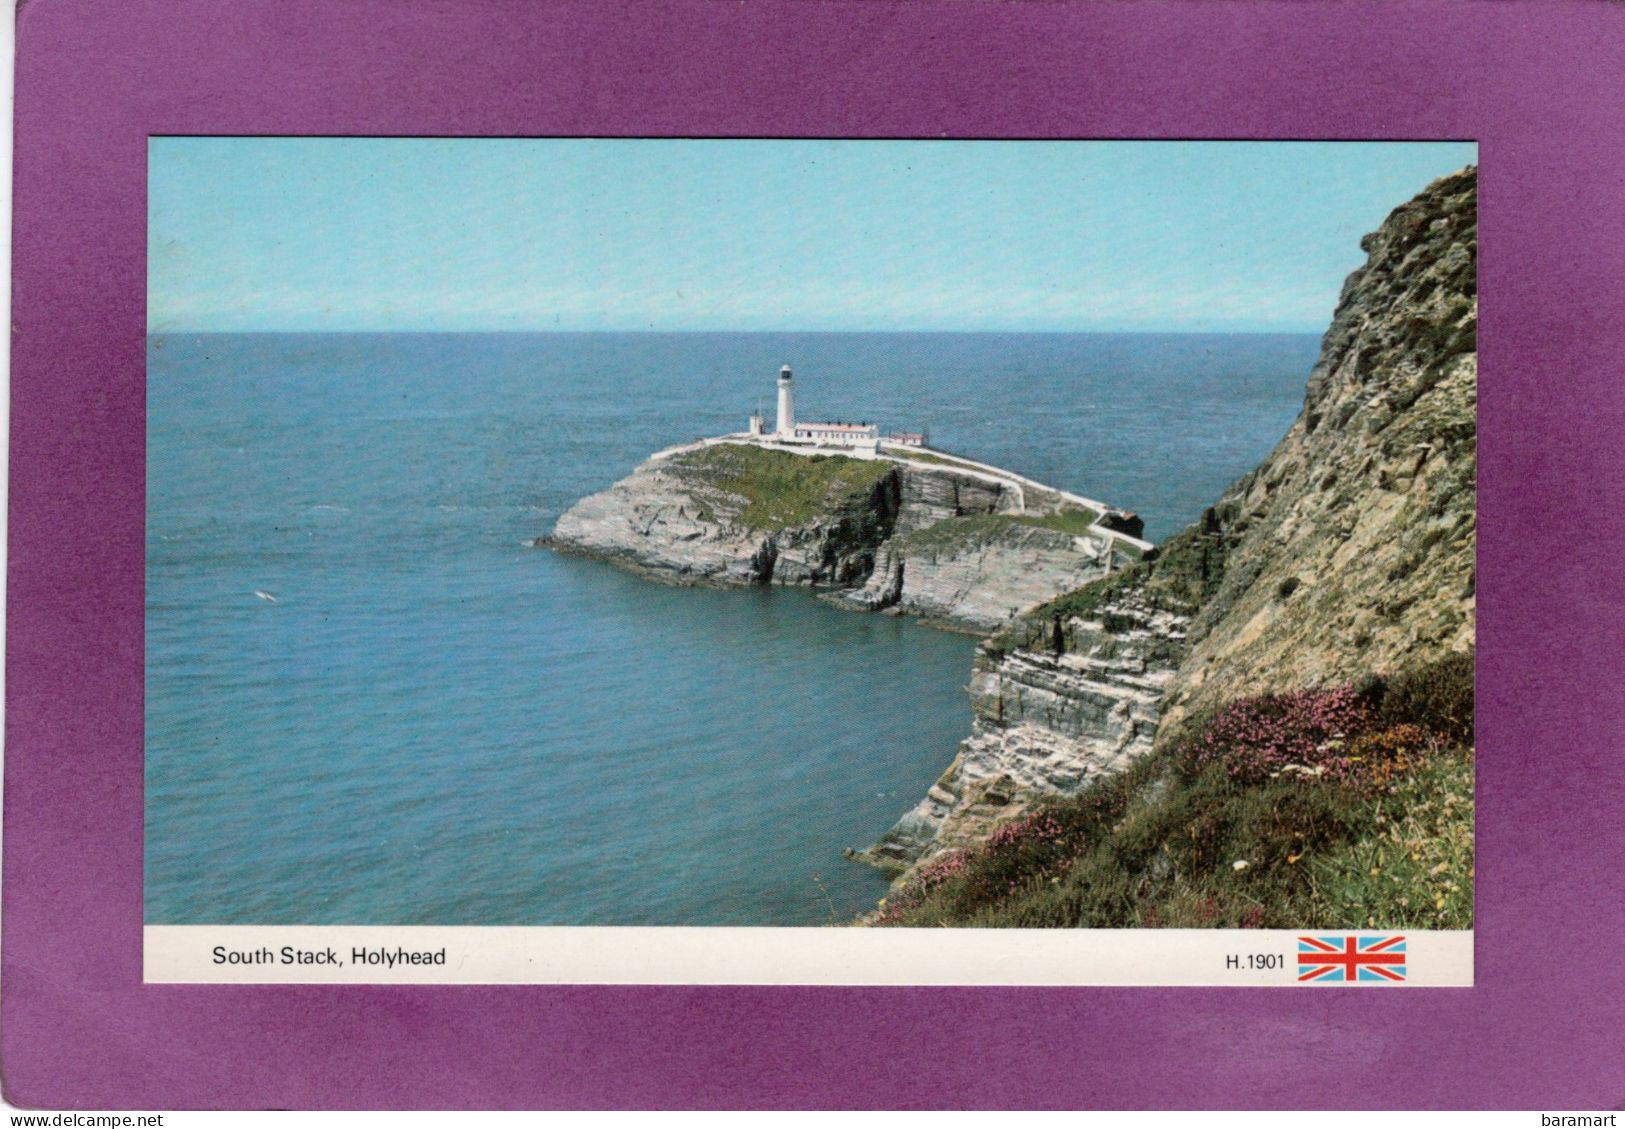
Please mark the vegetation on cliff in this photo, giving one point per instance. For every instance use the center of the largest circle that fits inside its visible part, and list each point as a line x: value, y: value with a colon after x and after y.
x: 1351, y: 547
x: 781, y: 490
x: 1076, y: 520
x: 1338, y: 808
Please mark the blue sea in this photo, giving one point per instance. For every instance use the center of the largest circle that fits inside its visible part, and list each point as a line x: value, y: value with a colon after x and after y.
x: 433, y: 722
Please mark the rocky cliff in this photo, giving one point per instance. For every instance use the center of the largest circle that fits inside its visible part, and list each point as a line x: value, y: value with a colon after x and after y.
x: 1351, y: 548
x: 737, y: 516
x: 960, y: 547
x: 1080, y: 696
x: 1349, y: 551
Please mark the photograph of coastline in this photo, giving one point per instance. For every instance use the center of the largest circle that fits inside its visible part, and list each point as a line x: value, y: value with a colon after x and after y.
x: 810, y: 533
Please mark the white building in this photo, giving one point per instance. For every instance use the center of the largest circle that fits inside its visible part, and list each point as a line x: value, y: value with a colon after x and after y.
x: 788, y: 428
x: 838, y: 432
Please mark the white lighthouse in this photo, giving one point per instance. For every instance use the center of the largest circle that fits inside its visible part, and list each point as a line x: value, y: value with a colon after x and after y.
x: 787, y: 407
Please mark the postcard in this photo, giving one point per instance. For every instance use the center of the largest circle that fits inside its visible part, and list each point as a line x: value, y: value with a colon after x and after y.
x: 410, y: 402
x: 690, y: 555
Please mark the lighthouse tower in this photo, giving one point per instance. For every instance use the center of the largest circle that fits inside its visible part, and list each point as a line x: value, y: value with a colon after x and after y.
x: 787, y: 409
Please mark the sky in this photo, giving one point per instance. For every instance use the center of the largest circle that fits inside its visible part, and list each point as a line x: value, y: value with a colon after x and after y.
x: 370, y: 234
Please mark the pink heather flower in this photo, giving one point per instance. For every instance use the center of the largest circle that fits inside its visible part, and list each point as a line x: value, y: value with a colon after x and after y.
x: 1255, y: 738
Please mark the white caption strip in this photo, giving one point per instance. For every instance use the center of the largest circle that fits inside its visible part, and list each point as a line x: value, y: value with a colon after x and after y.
x: 340, y: 954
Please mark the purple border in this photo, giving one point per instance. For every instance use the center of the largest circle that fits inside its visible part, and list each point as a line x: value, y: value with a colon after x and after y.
x: 1535, y: 80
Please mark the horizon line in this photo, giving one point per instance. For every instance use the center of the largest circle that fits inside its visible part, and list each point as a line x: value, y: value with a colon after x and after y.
x: 536, y: 332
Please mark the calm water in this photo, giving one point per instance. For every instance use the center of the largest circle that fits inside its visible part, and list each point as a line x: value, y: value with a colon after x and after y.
x: 433, y: 723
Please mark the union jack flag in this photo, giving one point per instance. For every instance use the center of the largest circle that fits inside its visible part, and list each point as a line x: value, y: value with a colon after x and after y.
x: 1350, y: 960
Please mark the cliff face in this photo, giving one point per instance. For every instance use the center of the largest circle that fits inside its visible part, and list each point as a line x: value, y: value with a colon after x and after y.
x: 1349, y: 551
x: 979, y: 573
x: 956, y: 547
x: 1076, y: 698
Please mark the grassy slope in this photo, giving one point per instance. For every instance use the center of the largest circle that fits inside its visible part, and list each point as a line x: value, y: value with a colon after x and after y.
x: 781, y: 490
x: 1387, y: 845
x: 1077, y: 521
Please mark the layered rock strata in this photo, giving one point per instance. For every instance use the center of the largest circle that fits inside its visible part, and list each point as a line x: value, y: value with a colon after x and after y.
x: 1048, y: 717
x: 980, y: 578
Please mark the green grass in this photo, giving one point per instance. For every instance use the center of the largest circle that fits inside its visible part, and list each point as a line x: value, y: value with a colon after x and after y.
x: 1159, y: 845
x: 1133, y: 552
x: 781, y: 490
x: 1078, y: 521
x: 1181, y: 574
x: 1412, y: 866
x: 1318, y: 855
x: 1044, y: 627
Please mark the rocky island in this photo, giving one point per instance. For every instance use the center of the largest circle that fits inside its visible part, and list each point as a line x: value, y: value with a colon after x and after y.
x: 877, y: 526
